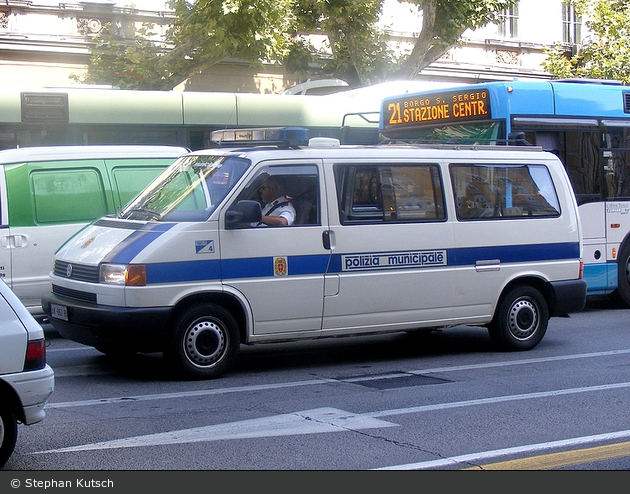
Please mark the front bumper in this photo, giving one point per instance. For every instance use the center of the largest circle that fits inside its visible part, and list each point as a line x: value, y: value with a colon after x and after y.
x: 139, y: 329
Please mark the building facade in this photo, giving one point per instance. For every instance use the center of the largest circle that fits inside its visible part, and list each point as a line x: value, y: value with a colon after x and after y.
x: 45, y: 42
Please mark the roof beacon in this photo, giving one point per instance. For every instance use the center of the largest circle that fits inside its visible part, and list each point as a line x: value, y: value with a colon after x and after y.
x: 276, y: 136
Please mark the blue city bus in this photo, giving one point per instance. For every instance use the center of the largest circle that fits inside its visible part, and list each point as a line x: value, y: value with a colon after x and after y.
x: 585, y: 122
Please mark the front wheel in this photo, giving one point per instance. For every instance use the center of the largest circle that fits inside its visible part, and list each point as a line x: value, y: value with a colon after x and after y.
x: 204, y: 342
x: 8, y: 432
x: 521, y: 319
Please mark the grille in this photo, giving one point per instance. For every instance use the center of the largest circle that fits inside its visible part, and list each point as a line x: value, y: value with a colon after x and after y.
x: 80, y: 272
x: 626, y: 102
x: 75, y: 294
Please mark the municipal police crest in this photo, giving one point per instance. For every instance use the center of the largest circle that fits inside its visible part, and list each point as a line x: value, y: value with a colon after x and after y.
x: 280, y: 267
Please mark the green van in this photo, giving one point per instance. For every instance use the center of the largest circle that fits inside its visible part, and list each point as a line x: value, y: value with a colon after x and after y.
x: 49, y: 193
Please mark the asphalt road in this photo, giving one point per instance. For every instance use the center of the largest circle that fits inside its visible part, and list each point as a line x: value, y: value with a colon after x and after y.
x: 444, y: 401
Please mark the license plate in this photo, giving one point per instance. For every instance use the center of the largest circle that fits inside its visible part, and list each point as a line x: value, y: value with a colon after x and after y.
x: 59, y: 312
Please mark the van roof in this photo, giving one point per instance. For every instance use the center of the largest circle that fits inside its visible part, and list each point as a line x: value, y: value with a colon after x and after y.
x: 400, y: 151
x: 48, y: 153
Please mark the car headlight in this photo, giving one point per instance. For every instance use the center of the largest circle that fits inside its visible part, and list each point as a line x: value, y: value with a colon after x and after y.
x: 123, y: 274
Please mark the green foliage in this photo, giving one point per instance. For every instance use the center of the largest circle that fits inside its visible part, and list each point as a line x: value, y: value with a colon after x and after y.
x: 205, y: 32
x: 135, y: 64
x: 607, y: 54
x: 360, y: 53
x: 444, y: 21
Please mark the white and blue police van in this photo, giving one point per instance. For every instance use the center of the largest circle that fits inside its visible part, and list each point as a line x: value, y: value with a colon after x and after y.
x: 381, y: 238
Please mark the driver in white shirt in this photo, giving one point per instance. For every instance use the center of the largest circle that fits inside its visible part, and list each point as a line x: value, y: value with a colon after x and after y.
x: 278, y: 210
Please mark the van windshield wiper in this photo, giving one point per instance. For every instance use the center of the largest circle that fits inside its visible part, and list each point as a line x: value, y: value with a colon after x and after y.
x: 141, y: 214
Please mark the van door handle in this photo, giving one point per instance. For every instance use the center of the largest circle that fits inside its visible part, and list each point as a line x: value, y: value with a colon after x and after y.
x: 326, y: 239
x: 19, y: 240
x: 488, y: 265
x: 13, y: 241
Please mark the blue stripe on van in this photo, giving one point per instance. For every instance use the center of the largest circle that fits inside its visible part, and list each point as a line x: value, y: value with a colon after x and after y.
x: 468, y: 256
x: 179, y: 272
x: 515, y: 253
x: 214, y: 270
x: 129, y: 248
x: 263, y: 267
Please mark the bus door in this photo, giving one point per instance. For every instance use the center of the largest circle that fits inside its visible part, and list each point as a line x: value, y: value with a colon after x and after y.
x: 616, y: 178
x: 616, y: 175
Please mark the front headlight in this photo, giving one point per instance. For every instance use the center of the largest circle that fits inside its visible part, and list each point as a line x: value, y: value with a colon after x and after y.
x: 123, y: 274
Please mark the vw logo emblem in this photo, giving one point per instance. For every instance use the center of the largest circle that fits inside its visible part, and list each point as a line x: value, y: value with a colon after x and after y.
x: 69, y: 270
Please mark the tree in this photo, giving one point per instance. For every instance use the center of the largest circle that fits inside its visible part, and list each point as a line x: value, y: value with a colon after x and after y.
x: 202, y: 34
x: 607, y: 54
x: 206, y: 32
x: 444, y: 21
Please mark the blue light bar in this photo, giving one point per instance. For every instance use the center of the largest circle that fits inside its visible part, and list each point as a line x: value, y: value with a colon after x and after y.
x: 277, y: 136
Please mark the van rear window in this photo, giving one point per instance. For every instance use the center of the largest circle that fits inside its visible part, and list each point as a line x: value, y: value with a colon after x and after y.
x: 503, y: 191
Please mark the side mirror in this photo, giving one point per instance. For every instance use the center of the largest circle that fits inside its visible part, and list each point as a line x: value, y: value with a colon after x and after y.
x: 243, y: 215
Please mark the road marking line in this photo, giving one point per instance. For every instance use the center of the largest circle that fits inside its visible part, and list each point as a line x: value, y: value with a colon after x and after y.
x: 563, y: 459
x: 477, y: 458
x: 286, y: 424
x: 320, y: 381
x: 317, y: 421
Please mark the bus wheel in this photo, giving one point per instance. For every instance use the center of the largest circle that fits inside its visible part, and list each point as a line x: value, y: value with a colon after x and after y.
x: 521, y: 319
x: 8, y: 432
x: 204, y: 342
x: 622, y: 294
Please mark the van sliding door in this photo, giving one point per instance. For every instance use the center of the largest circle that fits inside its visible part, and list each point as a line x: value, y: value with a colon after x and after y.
x: 389, y: 265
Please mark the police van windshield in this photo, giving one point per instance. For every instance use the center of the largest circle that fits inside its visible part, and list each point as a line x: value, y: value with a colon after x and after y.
x: 188, y: 190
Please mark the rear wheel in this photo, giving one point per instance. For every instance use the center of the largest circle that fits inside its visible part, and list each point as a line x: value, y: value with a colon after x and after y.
x: 204, y: 342
x: 8, y: 432
x: 521, y: 319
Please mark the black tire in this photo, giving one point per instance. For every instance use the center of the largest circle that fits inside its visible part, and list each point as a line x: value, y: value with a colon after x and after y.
x: 521, y: 319
x: 204, y: 342
x: 8, y: 432
x: 622, y: 293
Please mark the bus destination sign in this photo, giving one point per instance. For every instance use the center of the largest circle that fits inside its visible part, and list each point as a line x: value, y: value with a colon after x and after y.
x: 417, y: 110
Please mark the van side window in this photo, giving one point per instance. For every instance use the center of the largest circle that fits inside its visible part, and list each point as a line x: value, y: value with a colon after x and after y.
x: 503, y: 191
x: 301, y: 188
x: 131, y: 176
x: 379, y: 193
x: 66, y: 196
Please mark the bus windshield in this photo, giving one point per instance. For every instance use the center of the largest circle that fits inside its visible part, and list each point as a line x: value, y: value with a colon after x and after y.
x: 189, y: 190
x: 468, y: 134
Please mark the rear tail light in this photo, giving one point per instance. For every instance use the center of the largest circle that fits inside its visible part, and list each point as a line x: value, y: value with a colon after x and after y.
x: 35, y: 355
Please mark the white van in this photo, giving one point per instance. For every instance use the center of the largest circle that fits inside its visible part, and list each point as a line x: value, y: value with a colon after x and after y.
x: 385, y: 238
x: 26, y: 380
x: 49, y: 193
